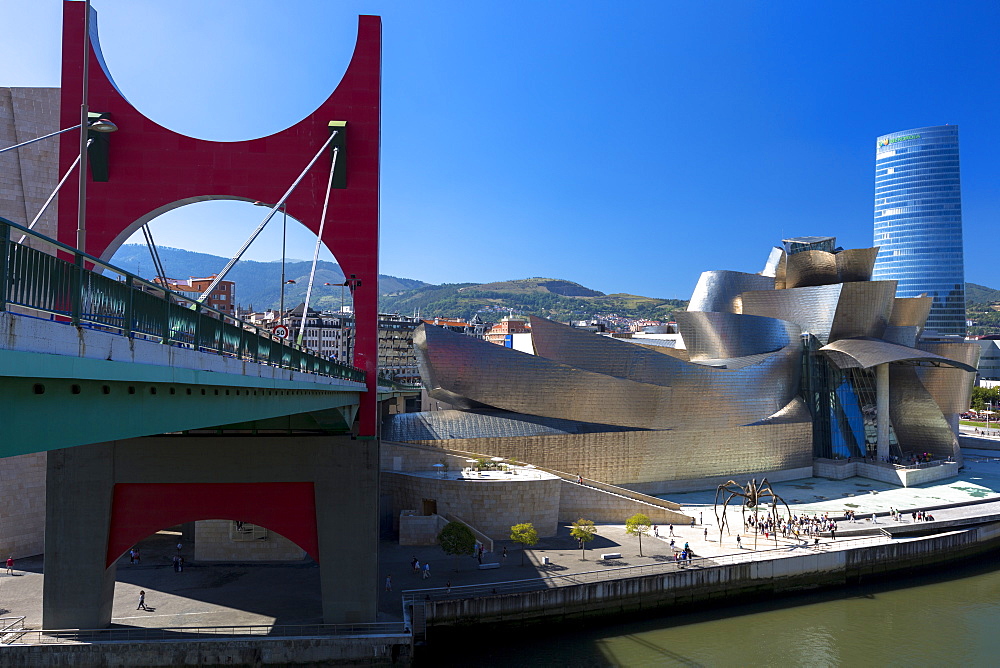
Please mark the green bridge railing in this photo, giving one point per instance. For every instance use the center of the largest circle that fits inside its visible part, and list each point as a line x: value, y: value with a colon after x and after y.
x: 64, y: 285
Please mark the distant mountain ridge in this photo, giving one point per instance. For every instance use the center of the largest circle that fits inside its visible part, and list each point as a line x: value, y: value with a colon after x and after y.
x: 257, y: 283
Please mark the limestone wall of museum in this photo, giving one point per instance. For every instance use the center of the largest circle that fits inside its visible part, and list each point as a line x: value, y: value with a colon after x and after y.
x: 22, y: 505
x: 581, y: 501
x: 627, y: 458
x: 214, y: 541
x: 28, y: 175
x: 492, y: 506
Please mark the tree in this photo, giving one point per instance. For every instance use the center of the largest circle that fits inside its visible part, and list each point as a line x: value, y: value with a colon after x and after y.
x: 525, y: 534
x: 584, y: 531
x: 456, y: 538
x: 637, y: 525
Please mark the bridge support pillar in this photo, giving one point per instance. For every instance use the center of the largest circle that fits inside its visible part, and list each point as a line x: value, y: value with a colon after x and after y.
x: 319, y: 490
x: 79, y: 588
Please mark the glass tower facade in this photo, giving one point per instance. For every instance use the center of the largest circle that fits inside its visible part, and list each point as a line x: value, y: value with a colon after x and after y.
x: 918, y: 221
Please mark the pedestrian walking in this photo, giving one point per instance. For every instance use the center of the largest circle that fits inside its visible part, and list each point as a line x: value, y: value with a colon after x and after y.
x: 138, y: 556
x: 180, y: 564
x: 739, y: 543
x: 416, y: 566
x: 671, y: 529
x: 10, y: 565
x: 656, y: 531
x: 706, y: 534
x: 388, y: 583
x: 131, y: 556
x: 505, y: 553
x: 177, y: 564
x: 427, y: 570
x: 142, y: 601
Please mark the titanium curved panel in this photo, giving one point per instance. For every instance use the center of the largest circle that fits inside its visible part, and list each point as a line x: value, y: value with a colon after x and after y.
x: 725, y: 335
x: 910, y: 311
x: 863, y: 309
x: 951, y: 388
x: 698, y: 390
x: 866, y: 353
x: 916, y: 418
x: 856, y: 264
x: 720, y: 291
x: 812, y: 309
x: 773, y: 260
x: 503, y: 378
x: 810, y: 268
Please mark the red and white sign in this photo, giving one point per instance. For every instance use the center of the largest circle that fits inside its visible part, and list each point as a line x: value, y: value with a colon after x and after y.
x: 281, y: 331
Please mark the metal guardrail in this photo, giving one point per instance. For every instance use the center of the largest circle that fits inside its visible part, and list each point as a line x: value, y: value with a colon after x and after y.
x: 666, y: 567
x: 137, y: 634
x: 121, y: 302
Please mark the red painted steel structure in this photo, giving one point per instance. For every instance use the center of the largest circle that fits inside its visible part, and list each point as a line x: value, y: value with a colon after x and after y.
x: 141, y: 509
x: 153, y: 169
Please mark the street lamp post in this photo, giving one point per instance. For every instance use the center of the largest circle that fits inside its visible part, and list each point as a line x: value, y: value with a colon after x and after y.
x: 81, y: 212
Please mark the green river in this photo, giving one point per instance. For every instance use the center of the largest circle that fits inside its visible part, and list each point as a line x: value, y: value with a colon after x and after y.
x: 950, y: 618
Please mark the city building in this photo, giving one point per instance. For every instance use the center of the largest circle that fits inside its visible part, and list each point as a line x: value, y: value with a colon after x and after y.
x: 223, y: 297
x: 809, y: 363
x: 918, y: 221
x: 475, y: 327
x: 501, y: 334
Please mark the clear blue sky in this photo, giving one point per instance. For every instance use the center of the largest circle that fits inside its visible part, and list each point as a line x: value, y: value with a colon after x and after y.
x: 625, y: 146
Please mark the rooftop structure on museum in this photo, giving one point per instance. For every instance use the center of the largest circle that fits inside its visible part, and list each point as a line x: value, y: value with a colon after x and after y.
x: 807, y: 359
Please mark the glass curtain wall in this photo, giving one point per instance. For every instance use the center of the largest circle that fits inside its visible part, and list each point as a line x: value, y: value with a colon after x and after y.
x: 843, y: 405
x: 918, y: 221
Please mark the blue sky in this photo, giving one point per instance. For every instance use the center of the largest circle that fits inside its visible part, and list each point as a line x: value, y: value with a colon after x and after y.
x: 625, y: 146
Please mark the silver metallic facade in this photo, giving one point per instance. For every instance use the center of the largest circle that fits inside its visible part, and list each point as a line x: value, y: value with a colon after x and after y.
x: 736, y: 402
x: 918, y: 220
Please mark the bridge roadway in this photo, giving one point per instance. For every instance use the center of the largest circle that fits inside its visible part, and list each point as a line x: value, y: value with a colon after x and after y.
x: 62, y: 386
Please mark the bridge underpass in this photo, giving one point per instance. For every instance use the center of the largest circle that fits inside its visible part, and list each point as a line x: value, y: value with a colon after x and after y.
x: 174, y: 415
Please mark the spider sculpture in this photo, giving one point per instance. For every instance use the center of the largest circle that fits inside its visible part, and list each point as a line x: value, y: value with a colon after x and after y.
x: 752, y: 495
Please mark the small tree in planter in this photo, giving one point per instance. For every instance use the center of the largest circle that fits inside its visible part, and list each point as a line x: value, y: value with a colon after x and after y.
x: 526, y: 535
x: 584, y: 531
x: 456, y: 539
x: 637, y: 525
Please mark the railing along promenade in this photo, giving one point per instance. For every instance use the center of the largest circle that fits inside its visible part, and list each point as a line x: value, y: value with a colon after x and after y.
x: 666, y: 567
x: 120, y: 302
x: 24, y: 636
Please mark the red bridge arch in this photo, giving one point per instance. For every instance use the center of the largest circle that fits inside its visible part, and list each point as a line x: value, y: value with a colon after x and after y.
x: 152, y: 169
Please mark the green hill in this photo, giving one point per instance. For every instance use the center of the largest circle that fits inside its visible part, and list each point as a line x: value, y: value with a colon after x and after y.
x: 980, y: 294
x: 551, y: 298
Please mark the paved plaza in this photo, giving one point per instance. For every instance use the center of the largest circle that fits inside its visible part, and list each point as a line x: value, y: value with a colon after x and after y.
x: 278, y: 594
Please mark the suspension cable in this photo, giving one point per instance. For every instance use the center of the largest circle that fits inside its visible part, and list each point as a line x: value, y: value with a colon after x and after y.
x: 55, y: 192
x: 155, y: 255
x: 319, y: 240
x: 267, y: 218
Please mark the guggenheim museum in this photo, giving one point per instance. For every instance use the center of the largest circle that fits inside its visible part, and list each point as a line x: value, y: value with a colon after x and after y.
x: 808, y: 363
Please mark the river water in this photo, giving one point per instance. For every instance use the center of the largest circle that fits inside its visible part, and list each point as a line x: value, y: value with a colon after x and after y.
x: 948, y: 618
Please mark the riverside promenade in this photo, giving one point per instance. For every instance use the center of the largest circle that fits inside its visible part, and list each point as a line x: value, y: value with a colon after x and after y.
x: 224, y: 594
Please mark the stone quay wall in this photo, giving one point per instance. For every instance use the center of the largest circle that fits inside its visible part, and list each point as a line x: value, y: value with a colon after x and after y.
x: 376, y: 650
x: 763, y: 578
